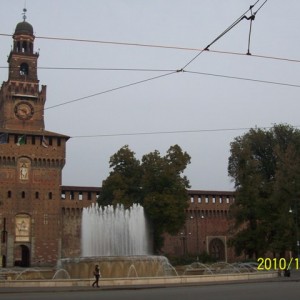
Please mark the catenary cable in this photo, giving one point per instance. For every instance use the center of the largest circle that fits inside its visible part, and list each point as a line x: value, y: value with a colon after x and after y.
x: 244, y: 79
x: 237, y: 21
x: 171, y: 132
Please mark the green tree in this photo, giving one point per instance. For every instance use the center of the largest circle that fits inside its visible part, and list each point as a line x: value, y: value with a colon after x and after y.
x: 156, y: 183
x: 123, y: 183
x: 165, y: 191
x: 265, y: 166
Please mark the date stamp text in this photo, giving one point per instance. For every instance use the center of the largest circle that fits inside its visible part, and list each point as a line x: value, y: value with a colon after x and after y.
x: 266, y: 264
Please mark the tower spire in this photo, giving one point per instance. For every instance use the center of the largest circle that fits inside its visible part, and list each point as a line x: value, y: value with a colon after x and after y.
x: 24, y: 13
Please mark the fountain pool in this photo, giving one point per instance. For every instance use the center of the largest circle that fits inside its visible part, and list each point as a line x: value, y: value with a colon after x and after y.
x: 116, y: 239
x: 117, y: 266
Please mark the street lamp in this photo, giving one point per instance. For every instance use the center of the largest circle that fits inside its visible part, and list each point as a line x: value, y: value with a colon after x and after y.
x: 197, y: 233
x: 183, y: 237
x: 197, y: 229
x: 297, y: 235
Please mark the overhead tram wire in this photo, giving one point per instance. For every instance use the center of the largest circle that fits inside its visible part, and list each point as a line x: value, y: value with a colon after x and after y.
x: 153, y: 46
x: 245, y: 79
x: 250, y: 31
x: 107, y: 69
x: 160, y: 76
x: 172, y: 132
x: 243, y: 16
x: 180, y: 70
x: 285, y: 59
x: 157, y: 132
x: 237, y: 21
x: 171, y: 72
x: 102, y: 92
x: 252, y: 18
x: 111, y: 90
x: 164, y: 75
x: 168, y: 74
x: 260, y: 7
x: 99, y: 69
x: 293, y: 60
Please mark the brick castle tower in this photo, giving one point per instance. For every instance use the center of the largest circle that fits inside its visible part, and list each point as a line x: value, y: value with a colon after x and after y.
x: 31, y: 163
x: 40, y: 220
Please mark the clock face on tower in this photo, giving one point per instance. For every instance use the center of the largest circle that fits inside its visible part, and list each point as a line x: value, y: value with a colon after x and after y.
x: 24, y: 110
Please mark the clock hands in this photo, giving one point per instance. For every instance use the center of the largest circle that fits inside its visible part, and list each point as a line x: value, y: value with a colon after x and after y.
x: 24, y: 110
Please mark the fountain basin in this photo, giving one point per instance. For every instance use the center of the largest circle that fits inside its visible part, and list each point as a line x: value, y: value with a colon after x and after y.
x: 117, y: 266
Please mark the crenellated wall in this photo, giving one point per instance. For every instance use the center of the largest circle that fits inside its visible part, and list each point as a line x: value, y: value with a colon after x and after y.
x: 205, y: 230
x: 73, y: 200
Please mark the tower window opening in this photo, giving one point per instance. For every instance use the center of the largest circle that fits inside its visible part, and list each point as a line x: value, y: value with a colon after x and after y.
x: 18, y: 47
x: 89, y: 196
x: 24, y: 47
x: 50, y: 195
x: 37, y: 195
x: 24, y: 69
x: 9, y: 194
x: 23, y: 195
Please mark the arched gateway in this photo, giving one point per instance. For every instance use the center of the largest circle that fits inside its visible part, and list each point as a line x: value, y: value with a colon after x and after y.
x: 22, y: 256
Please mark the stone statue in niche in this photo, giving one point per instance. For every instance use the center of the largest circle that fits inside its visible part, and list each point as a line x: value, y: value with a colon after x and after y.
x: 24, y: 171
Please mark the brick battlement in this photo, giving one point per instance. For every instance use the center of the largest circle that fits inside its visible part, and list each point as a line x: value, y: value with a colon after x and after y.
x: 198, y: 199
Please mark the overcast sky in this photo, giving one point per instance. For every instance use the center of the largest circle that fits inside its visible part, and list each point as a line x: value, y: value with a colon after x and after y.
x: 199, y: 107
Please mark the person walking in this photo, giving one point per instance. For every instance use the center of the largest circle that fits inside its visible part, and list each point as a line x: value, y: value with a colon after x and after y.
x: 97, y: 276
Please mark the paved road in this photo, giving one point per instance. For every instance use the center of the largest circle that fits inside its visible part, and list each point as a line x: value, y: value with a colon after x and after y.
x: 277, y: 290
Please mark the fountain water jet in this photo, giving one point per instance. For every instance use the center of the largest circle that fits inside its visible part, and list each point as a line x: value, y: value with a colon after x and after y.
x: 132, y: 272
x: 117, y: 240
x: 31, y: 273
x: 110, y: 231
x: 61, y: 274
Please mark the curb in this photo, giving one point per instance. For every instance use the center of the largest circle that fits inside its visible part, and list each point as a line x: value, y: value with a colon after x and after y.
x: 122, y: 283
